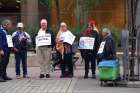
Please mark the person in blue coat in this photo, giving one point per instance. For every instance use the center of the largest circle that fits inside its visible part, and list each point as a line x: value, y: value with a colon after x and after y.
x: 4, y: 49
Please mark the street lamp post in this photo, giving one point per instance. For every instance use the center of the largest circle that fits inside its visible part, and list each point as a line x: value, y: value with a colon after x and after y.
x: 132, y: 11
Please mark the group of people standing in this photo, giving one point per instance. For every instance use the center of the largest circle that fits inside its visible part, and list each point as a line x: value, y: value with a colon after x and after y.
x: 18, y: 44
x: 64, y: 51
x: 21, y: 39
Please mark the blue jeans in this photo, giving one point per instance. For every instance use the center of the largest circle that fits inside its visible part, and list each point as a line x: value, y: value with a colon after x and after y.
x: 21, y: 56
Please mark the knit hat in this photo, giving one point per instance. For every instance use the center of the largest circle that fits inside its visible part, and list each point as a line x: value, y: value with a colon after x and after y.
x: 20, y: 25
x: 106, y: 30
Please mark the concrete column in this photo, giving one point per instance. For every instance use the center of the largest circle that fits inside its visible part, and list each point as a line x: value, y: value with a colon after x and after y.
x: 138, y: 38
x: 29, y: 12
x: 23, y: 11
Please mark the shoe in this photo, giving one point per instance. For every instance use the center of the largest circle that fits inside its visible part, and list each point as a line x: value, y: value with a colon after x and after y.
x: 86, y: 76
x: 2, y: 80
x: 47, y: 75
x: 7, y: 78
x: 93, y: 76
x: 42, y: 76
x: 26, y: 76
x: 18, y: 77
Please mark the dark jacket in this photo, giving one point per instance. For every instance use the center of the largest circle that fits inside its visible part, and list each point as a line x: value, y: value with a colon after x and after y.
x: 3, y: 40
x: 52, y: 38
x: 20, y: 44
x: 86, y: 52
x: 67, y: 48
x: 109, y: 51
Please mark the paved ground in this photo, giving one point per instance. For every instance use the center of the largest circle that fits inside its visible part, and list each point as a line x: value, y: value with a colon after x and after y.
x: 57, y: 85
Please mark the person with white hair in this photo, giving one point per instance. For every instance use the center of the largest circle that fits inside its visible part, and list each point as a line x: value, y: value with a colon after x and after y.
x: 21, y: 40
x: 44, y: 51
x: 6, y: 25
x: 109, y: 51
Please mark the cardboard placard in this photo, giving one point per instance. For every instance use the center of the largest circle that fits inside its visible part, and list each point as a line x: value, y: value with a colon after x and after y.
x: 101, y: 48
x: 43, y: 40
x: 9, y: 40
x: 67, y: 37
x: 86, y: 43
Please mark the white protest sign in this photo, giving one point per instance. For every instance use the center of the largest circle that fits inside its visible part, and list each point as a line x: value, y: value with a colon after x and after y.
x: 43, y: 40
x: 86, y: 43
x: 67, y: 37
x: 9, y: 40
x: 101, y: 48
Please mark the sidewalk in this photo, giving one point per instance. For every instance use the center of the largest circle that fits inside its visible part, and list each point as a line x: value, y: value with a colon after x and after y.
x: 57, y: 85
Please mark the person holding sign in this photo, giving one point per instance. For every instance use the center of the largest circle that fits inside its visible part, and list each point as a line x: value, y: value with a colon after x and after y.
x: 93, y: 23
x: 44, y: 43
x: 88, y: 45
x: 4, y: 49
x: 107, y: 48
x: 21, y: 39
x: 64, y: 41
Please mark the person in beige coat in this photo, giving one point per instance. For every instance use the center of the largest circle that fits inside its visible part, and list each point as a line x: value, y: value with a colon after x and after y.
x: 44, y: 52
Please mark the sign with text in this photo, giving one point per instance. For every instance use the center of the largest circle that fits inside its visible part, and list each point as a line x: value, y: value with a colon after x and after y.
x: 67, y: 37
x: 101, y: 48
x: 9, y: 41
x: 86, y: 43
x: 43, y: 40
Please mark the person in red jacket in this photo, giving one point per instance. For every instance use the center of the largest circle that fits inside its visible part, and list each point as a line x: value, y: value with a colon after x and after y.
x: 89, y: 55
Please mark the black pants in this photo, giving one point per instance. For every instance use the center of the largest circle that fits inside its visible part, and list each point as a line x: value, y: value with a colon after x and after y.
x: 4, y: 60
x: 67, y: 64
x: 90, y: 59
x: 21, y: 57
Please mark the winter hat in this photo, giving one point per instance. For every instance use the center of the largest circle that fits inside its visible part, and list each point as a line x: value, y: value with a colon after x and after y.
x: 106, y: 30
x: 20, y: 24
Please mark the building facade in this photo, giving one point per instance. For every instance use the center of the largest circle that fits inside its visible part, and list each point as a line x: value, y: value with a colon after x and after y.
x: 111, y: 12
